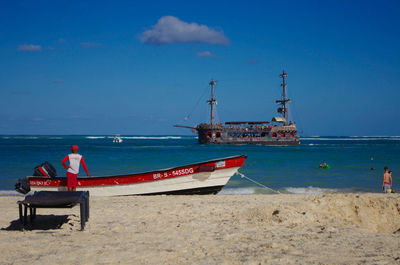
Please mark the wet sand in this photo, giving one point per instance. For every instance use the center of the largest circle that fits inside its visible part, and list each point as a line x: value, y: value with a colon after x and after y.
x: 221, y: 229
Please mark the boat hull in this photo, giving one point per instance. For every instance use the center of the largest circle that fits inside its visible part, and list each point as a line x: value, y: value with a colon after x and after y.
x: 207, y: 177
x: 260, y: 142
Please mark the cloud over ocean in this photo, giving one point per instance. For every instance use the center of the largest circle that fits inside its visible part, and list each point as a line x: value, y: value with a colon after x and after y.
x: 171, y: 30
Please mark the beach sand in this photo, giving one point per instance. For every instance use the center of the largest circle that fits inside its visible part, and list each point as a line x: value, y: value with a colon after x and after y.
x: 215, y: 229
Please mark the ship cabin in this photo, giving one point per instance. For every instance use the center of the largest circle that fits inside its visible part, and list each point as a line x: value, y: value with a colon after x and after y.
x: 243, y: 129
x: 260, y: 129
x: 262, y: 132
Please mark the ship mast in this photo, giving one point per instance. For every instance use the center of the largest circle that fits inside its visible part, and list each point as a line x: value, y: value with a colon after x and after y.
x: 284, y: 101
x: 212, y: 101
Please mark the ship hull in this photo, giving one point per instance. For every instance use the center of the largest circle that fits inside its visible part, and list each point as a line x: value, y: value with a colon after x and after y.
x: 256, y: 142
x: 207, y: 177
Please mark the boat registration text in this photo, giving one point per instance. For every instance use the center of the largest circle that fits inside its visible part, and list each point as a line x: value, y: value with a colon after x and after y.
x: 174, y: 173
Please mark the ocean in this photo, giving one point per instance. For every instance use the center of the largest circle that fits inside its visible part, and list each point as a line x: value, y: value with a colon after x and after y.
x: 356, y: 163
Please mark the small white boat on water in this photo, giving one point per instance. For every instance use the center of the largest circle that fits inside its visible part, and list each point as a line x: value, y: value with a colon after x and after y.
x: 117, y: 139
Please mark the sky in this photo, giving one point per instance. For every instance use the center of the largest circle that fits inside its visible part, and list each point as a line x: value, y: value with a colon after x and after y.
x: 139, y: 67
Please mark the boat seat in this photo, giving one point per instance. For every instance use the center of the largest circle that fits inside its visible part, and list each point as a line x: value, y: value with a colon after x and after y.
x: 54, y: 199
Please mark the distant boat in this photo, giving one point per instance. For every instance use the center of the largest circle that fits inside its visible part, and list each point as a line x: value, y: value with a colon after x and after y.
x: 207, y: 177
x: 117, y: 139
x: 278, y: 131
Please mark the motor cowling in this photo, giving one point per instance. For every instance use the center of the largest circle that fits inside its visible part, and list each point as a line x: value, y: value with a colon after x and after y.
x: 22, y: 186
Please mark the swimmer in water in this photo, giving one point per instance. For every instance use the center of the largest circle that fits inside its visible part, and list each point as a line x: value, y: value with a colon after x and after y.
x: 387, y: 180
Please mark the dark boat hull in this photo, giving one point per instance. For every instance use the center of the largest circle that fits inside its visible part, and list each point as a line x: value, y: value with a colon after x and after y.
x: 195, y: 191
x: 255, y: 142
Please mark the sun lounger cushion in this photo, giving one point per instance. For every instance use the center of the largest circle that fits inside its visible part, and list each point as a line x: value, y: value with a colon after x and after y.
x: 54, y: 198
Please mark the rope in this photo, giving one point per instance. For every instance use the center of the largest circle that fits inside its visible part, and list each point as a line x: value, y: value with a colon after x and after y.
x: 197, y: 103
x: 258, y: 183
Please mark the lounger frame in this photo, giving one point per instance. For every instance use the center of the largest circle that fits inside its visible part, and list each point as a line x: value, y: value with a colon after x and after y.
x: 40, y: 200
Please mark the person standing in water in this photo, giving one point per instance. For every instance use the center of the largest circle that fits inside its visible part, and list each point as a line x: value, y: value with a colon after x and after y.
x: 75, y: 160
x: 387, y: 180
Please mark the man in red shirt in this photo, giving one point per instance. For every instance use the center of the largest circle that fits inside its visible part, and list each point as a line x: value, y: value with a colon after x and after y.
x: 75, y: 160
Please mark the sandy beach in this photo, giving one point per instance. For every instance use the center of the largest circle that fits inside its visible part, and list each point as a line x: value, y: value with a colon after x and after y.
x: 221, y: 229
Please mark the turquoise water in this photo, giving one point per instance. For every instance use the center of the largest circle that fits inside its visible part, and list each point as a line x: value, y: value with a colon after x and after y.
x: 290, y: 169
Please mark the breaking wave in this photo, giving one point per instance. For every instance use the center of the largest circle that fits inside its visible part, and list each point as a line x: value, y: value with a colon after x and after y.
x: 137, y: 137
x: 21, y: 137
x: 9, y: 193
x: 309, y: 190
x: 237, y: 191
x: 350, y: 138
x: 151, y: 137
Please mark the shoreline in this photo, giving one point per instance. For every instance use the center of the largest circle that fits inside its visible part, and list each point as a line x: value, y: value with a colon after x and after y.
x: 254, y: 190
x: 209, y: 229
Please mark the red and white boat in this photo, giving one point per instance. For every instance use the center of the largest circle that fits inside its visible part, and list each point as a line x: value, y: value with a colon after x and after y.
x: 207, y: 177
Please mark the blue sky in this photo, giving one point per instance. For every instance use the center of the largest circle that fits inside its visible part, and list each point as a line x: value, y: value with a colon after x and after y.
x: 108, y: 67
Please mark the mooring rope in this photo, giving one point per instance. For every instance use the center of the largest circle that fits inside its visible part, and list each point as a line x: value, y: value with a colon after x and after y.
x: 197, y: 103
x: 258, y: 183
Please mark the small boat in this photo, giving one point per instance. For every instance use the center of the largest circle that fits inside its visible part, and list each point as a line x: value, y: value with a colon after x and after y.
x: 207, y: 177
x: 117, y: 139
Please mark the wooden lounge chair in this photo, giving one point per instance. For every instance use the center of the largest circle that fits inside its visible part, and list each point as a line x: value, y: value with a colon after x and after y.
x: 54, y: 199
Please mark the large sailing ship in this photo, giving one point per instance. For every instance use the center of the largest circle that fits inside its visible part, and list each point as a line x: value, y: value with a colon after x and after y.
x: 278, y: 131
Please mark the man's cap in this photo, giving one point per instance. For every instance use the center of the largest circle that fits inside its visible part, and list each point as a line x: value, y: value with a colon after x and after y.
x: 74, y: 148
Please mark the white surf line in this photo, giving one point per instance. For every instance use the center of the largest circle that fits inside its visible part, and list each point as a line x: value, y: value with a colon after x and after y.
x: 258, y: 183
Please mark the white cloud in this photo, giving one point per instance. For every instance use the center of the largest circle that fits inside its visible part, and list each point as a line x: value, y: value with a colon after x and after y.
x: 205, y: 54
x: 90, y: 44
x: 29, y: 48
x: 170, y: 30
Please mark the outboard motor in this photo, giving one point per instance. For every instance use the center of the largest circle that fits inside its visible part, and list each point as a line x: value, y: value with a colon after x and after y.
x: 45, y: 169
x: 22, y: 186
